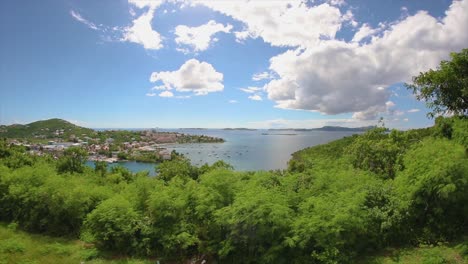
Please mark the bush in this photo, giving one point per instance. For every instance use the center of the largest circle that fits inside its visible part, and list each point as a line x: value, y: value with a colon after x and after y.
x: 114, y: 225
x: 433, y: 190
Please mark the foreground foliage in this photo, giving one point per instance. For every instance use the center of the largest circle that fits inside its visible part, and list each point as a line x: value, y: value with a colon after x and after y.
x: 336, y: 202
x: 445, y: 90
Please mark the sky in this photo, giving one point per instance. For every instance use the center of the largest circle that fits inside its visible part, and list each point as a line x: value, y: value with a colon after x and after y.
x: 216, y: 64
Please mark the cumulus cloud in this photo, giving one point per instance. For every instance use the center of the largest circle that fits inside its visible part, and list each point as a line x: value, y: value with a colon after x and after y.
x: 141, y: 31
x: 364, y: 32
x: 262, y: 76
x: 194, y: 76
x: 243, y: 35
x: 414, y: 110
x: 281, y: 23
x: 166, y: 94
x: 199, y: 38
x: 334, y: 77
x: 151, y: 4
x: 321, y: 73
x: 336, y: 2
x: 255, y: 97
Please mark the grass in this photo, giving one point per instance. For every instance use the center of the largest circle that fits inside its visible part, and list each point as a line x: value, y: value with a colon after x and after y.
x: 24, y: 248
x: 454, y: 253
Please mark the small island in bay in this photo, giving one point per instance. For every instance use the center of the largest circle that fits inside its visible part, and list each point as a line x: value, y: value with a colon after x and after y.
x: 240, y: 128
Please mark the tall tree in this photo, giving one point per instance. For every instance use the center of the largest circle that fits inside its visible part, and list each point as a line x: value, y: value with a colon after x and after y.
x: 445, y: 90
x: 73, y: 160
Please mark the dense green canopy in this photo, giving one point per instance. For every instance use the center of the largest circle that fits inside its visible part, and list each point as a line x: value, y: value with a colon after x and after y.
x: 445, y: 90
x: 336, y: 202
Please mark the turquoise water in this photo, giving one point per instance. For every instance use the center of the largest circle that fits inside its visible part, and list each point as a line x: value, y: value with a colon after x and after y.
x: 133, y: 166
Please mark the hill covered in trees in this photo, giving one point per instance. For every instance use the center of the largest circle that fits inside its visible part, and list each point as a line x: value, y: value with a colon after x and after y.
x: 44, y: 129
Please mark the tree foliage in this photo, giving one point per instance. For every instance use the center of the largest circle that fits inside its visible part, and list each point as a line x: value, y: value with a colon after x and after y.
x: 73, y: 160
x: 336, y: 202
x: 445, y: 90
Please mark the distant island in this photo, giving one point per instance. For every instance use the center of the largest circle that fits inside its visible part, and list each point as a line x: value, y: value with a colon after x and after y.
x: 55, y: 135
x: 326, y: 128
x: 240, y: 128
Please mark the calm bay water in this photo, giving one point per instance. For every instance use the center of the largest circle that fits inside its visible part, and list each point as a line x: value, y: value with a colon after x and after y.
x: 133, y: 166
x: 251, y: 149
x: 243, y: 149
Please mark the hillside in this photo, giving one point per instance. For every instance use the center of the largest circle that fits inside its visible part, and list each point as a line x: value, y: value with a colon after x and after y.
x: 378, y: 197
x: 44, y: 129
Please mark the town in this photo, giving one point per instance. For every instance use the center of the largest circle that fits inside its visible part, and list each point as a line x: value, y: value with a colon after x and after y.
x: 107, y: 145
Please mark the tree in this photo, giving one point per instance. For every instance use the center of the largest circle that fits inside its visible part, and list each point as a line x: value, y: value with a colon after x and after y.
x: 179, y: 167
x: 444, y: 90
x: 114, y: 224
x: 378, y: 151
x: 73, y: 160
x: 100, y: 167
x: 433, y: 190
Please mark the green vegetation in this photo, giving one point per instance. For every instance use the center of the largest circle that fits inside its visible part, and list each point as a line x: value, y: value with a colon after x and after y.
x: 350, y: 201
x: 445, y: 90
x: 336, y: 203
x: 442, y: 253
x: 20, y: 247
x: 45, y: 129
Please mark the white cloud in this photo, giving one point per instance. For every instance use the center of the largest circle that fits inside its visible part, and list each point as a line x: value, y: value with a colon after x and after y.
x: 199, y: 38
x: 336, y: 2
x: 389, y: 104
x: 232, y: 101
x: 251, y: 89
x: 79, y: 18
x: 151, y: 94
x: 406, y: 119
x: 335, y: 77
x: 364, y: 32
x: 166, y: 94
x: 349, y: 17
x: 281, y: 23
x: 141, y: 31
x: 255, y: 97
x: 132, y: 12
x: 243, y: 35
x: 151, y: 4
x: 262, y: 76
x: 193, y: 76
x: 159, y: 87
x: 413, y: 110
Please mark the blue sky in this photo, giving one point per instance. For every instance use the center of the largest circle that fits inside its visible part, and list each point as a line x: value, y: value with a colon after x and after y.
x: 226, y: 63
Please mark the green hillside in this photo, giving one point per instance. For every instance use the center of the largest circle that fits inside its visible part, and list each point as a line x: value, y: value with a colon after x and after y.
x: 45, y: 129
x: 378, y: 197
